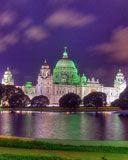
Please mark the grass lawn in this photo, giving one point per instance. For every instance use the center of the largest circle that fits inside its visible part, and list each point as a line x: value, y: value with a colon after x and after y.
x: 15, y: 148
x: 69, y: 155
x: 87, y: 142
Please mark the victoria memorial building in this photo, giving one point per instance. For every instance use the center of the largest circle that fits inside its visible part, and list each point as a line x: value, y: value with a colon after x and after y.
x: 65, y: 78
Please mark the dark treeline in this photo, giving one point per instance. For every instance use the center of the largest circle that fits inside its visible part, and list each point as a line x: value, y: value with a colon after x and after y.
x: 122, y: 102
x: 12, y: 96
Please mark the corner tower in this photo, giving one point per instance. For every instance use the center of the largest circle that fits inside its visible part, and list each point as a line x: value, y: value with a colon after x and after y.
x: 65, y: 71
x: 7, y: 77
x: 120, y: 82
x: 44, y: 81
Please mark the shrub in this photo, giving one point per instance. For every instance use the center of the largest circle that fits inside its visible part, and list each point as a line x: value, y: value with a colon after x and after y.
x: 40, y: 101
x: 95, y: 99
x: 70, y: 100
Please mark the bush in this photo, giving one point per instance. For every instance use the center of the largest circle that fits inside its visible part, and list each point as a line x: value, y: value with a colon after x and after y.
x: 40, y: 101
x: 122, y: 102
x: 70, y: 100
x: 95, y: 99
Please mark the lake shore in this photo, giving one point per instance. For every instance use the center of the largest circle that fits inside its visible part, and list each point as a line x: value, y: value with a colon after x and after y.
x: 61, y: 109
x: 14, y: 148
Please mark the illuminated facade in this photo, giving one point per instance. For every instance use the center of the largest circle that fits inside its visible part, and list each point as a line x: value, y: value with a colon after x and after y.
x: 8, y: 78
x: 66, y: 79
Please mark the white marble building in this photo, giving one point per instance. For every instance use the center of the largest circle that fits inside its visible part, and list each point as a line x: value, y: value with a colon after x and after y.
x: 66, y: 78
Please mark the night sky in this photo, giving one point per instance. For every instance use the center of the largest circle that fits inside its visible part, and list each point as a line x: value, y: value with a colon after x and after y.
x: 95, y: 32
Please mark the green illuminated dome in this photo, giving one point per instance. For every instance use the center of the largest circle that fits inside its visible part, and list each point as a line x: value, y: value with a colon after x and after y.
x: 65, y: 63
x: 65, y: 71
x: 83, y: 80
x: 28, y: 84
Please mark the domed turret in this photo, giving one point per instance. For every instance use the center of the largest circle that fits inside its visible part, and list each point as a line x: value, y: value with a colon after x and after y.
x: 120, y: 82
x: 65, y: 61
x: 83, y: 79
x: 65, y: 71
x: 7, y: 77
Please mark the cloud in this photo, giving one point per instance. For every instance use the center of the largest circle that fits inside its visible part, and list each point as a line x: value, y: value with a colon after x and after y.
x: 25, y: 31
x: 36, y: 33
x: 117, y: 48
x: 8, y: 40
x: 69, y: 19
x: 7, y: 18
x: 25, y: 23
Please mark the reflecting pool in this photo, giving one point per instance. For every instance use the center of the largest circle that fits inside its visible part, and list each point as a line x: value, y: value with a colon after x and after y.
x: 76, y: 126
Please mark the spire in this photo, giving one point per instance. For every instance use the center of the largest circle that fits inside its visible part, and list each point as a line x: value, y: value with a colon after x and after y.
x: 45, y: 61
x: 119, y: 70
x: 65, y: 54
x: 8, y: 69
x: 119, y: 73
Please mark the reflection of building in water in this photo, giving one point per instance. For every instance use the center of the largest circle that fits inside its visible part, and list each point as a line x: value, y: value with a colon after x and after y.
x: 66, y: 78
x: 45, y: 125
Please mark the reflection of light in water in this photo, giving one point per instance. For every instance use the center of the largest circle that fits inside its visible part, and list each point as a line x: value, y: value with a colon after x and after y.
x: 101, y: 125
x: 44, y: 125
x: 28, y: 124
x: 114, y: 128
x: 5, y: 123
x: 106, y: 114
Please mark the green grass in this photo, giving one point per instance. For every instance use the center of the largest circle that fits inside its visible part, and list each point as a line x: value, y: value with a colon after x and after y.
x: 86, y: 142
x: 27, y: 157
x: 95, y: 146
x: 34, y: 154
x: 14, y: 148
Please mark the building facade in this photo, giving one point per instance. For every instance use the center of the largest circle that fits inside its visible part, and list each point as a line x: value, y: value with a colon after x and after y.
x: 64, y: 79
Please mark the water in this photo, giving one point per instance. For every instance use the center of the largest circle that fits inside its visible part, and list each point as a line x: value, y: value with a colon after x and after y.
x: 79, y: 126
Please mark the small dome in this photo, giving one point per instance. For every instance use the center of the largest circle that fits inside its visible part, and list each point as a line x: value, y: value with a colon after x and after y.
x: 83, y: 79
x: 28, y: 84
x: 8, y: 71
x: 119, y: 73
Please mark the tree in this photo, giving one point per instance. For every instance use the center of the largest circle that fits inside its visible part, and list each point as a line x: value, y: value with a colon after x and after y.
x: 70, y: 100
x: 95, y: 99
x: 19, y: 100
x: 122, y: 102
x: 40, y: 101
x: 116, y: 103
x: 7, y: 91
x: 1, y: 91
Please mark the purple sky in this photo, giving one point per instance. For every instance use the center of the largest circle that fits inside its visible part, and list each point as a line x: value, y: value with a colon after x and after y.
x: 95, y: 32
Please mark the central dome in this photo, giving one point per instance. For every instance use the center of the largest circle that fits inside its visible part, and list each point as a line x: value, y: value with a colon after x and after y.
x: 65, y: 63
x: 65, y: 71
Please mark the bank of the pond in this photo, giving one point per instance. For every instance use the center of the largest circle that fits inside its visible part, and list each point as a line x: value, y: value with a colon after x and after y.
x: 15, y: 148
x: 81, y: 146
x: 61, y: 109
